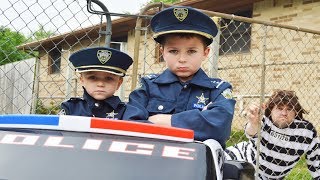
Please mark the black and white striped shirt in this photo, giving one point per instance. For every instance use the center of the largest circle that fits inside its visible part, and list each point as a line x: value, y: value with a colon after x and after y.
x: 280, y: 149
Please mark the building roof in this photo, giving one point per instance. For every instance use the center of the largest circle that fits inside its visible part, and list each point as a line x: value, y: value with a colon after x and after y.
x: 121, y: 26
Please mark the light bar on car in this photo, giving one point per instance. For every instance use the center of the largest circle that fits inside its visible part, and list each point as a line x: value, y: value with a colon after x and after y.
x: 96, y: 125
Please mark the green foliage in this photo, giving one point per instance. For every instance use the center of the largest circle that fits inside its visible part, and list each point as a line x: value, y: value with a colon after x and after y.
x: 41, y: 33
x: 8, y: 42
x: 42, y: 109
x: 236, y: 137
x: 300, y: 171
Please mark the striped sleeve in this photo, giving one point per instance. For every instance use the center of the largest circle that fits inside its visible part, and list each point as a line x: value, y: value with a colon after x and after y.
x: 313, y: 158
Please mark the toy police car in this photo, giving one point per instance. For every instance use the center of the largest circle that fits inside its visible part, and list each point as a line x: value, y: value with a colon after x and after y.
x: 55, y: 147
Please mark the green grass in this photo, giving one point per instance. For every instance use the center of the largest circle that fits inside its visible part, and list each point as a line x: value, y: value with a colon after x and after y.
x: 236, y: 137
x: 300, y: 171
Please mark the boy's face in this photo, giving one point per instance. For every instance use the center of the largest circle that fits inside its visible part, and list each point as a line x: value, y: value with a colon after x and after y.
x: 282, y: 115
x: 100, y: 85
x: 184, y: 56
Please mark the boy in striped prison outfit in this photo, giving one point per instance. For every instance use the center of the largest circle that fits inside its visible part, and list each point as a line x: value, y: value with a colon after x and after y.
x: 285, y: 138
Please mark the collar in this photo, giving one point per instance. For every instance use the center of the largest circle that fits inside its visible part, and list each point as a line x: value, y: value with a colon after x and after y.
x: 113, y: 101
x: 200, y: 78
x: 166, y: 77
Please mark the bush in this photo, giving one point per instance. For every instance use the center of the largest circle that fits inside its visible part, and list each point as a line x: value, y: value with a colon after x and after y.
x: 42, y: 109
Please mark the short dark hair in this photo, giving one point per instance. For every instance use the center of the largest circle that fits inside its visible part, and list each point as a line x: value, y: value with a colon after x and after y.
x: 285, y: 97
x: 162, y: 39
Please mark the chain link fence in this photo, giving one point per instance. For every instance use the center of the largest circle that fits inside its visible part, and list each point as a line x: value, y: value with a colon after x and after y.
x: 256, y: 57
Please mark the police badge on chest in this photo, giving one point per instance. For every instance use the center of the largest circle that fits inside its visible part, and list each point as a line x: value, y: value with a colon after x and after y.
x: 201, y: 102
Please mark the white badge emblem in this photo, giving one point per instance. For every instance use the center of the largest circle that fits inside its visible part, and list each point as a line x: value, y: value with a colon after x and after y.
x: 180, y: 13
x: 201, y: 99
x: 104, y: 56
x: 111, y: 115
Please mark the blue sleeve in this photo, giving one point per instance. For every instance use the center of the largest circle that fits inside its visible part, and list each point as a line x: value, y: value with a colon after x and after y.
x: 64, y: 108
x: 136, y: 107
x: 212, y: 123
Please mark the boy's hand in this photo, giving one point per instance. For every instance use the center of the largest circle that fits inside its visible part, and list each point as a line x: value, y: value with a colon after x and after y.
x: 161, y: 119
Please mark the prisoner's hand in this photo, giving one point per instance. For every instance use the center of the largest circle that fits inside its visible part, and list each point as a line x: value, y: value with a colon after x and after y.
x: 161, y: 119
x: 253, y: 112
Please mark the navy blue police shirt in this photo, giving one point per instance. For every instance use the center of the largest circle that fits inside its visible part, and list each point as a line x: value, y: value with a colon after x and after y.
x: 202, y: 104
x: 111, y: 108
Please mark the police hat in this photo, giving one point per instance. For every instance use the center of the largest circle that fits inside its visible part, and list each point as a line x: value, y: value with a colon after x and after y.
x: 182, y: 19
x: 101, y: 59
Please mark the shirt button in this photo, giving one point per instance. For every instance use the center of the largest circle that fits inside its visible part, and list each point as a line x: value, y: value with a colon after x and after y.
x: 185, y: 86
x: 96, y: 104
x: 160, y: 107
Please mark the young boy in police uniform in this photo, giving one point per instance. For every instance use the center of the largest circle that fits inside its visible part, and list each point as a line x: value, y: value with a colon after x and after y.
x: 101, y: 74
x: 183, y: 95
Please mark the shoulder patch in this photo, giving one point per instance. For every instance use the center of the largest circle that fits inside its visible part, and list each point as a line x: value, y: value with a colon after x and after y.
x: 227, y: 93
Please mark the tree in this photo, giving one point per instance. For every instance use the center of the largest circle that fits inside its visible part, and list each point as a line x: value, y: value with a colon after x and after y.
x: 41, y: 33
x: 8, y: 41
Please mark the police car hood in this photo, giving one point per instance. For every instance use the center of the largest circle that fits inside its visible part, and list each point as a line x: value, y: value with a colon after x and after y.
x: 71, y: 147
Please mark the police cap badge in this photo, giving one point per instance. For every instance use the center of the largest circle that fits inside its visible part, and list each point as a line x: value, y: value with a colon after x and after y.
x: 101, y: 59
x: 182, y: 19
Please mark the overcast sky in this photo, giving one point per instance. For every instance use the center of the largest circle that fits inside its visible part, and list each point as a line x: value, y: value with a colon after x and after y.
x: 124, y: 5
x: 58, y: 15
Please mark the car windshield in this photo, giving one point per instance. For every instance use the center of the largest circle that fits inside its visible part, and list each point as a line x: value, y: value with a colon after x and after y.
x: 50, y: 154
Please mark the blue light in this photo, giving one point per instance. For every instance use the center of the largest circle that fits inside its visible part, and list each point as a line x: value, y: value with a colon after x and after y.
x: 30, y: 119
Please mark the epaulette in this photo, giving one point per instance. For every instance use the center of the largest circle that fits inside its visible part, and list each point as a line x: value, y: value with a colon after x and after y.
x: 151, y: 76
x: 224, y: 86
x: 217, y: 82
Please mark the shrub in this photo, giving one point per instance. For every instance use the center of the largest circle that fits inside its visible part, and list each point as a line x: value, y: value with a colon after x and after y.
x: 42, y: 109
